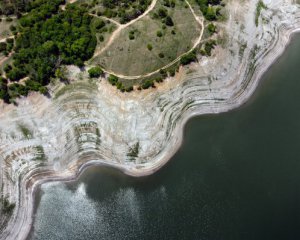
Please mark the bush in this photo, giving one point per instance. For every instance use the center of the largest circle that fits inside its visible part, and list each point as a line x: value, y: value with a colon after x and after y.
x: 131, y: 36
x: 188, y: 58
x: 95, y: 72
x: 211, y: 28
x: 209, y: 46
x: 147, y: 84
x: 159, y: 34
x: 113, y: 79
x: 3, y: 46
x: 162, y: 12
x: 149, y: 46
x: 169, y: 21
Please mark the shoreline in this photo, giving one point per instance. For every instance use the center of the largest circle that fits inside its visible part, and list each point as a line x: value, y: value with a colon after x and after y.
x: 160, y: 163
x: 21, y: 222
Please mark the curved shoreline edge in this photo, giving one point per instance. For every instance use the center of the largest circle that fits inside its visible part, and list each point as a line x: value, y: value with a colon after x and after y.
x: 21, y: 222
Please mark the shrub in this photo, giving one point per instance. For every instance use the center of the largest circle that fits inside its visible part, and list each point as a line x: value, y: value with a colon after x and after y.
x: 95, y: 72
x: 113, y: 79
x: 161, y: 55
x: 188, y: 58
x: 211, y: 28
x: 3, y: 46
x: 147, y: 84
x: 169, y: 21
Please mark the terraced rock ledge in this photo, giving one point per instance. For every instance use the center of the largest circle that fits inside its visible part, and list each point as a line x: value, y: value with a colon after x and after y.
x: 89, y: 122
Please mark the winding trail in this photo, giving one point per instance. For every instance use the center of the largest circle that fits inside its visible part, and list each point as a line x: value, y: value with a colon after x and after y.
x: 106, y: 18
x: 122, y: 26
x: 10, y: 54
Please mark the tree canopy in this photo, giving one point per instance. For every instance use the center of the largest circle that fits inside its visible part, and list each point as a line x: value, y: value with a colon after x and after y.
x: 49, y: 37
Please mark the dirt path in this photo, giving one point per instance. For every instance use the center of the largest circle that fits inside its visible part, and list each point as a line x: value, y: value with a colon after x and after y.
x: 4, y: 39
x: 63, y: 7
x: 113, y: 36
x: 106, y: 18
x: 123, y: 26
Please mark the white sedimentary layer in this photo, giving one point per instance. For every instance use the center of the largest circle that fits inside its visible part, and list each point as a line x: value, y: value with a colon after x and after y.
x: 90, y: 122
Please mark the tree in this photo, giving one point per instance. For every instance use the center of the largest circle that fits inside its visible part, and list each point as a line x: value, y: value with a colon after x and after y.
x: 169, y: 21
x: 3, y: 46
x: 162, y: 12
x: 210, y: 14
x: 188, y: 58
x: 159, y: 34
x: 95, y: 72
x: 113, y: 79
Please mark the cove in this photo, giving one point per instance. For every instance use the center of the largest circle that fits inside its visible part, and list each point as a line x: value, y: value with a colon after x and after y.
x: 236, y: 176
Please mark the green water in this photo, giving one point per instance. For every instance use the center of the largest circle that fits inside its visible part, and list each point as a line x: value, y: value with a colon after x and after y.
x: 236, y: 176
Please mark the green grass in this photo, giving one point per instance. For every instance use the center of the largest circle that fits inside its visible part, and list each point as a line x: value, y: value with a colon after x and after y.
x: 259, y: 7
x: 132, y: 57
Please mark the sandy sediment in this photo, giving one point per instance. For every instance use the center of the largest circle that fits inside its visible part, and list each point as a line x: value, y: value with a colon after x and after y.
x: 88, y: 123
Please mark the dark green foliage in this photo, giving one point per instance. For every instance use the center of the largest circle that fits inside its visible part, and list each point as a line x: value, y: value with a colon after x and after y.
x: 163, y: 73
x: 188, y: 58
x: 126, y: 10
x: 158, y: 79
x: 209, y: 46
x: 16, y: 90
x: 101, y: 38
x: 159, y: 33
x: 211, y: 28
x: 98, y: 24
x: 147, y: 84
x: 7, y: 68
x: 7, y: 207
x: 3, y: 90
x: 131, y: 36
x: 12, y: 28
x: 49, y: 38
x: 134, y: 151
x: 16, y: 74
x: 259, y: 7
x: 95, y: 72
x: 3, y: 46
x: 169, y: 3
x: 169, y: 21
x: 162, y: 12
x: 208, y: 8
x: 150, y: 47
x: 113, y: 79
x: 9, y: 19
x: 161, y: 55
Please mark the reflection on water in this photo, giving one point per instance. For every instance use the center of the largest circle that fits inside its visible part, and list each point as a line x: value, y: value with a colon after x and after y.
x: 237, y: 176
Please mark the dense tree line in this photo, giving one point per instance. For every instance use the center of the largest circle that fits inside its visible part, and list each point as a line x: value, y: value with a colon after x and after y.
x: 9, y: 7
x: 126, y: 10
x: 49, y: 37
